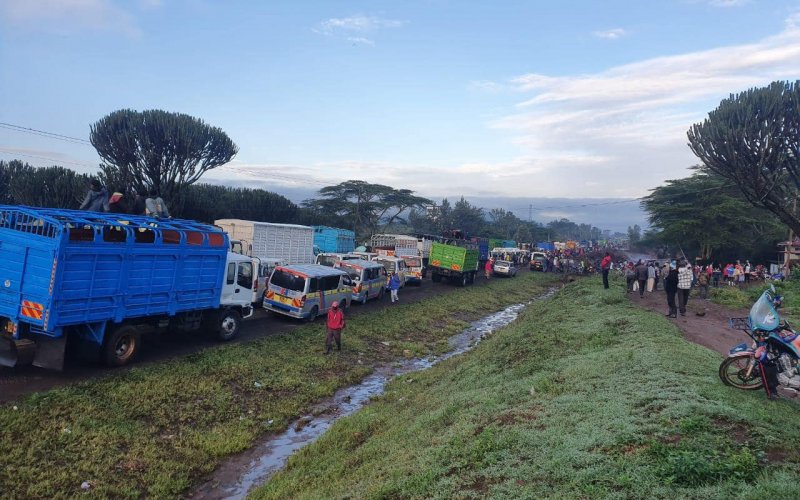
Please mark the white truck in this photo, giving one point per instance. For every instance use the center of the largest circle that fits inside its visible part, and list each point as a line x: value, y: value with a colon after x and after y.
x: 271, y: 243
x: 394, y: 245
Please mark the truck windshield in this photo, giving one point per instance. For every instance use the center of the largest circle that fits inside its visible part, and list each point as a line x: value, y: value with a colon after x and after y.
x: 285, y: 279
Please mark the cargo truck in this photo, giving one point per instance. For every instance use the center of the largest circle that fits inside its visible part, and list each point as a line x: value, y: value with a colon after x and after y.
x: 271, y: 244
x: 394, y: 245
x: 458, y: 263
x: 334, y: 240
x: 100, y: 280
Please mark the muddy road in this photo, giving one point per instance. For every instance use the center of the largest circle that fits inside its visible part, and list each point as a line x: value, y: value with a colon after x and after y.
x: 21, y: 381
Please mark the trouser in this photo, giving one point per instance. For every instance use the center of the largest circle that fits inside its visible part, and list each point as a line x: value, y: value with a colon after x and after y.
x: 630, y: 281
x: 655, y: 285
x: 703, y: 291
x: 642, y: 285
x: 673, y: 310
x: 683, y: 299
x: 394, y: 296
x: 605, y: 278
x: 716, y: 280
x: 651, y: 282
x: 334, y: 335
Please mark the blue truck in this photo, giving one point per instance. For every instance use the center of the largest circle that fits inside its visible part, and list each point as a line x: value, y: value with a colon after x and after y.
x: 333, y: 240
x: 99, y: 280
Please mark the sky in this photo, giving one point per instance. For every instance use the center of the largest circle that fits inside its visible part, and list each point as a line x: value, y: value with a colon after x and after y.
x: 518, y: 100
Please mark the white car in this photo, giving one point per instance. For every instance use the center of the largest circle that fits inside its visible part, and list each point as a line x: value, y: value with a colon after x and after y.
x: 504, y: 268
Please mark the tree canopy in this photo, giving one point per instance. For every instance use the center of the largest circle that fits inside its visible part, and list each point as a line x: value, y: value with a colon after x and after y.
x: 368, y: 207
x: 752, y: 139
x: 705, y: 215
x: 158, y: 150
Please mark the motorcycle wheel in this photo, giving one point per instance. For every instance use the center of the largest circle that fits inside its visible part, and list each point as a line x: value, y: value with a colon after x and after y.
x: 732, y: 372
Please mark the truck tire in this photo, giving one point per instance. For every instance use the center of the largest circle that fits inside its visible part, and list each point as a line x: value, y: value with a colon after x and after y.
x: 471, y: 278
x: 436, y: 277
x: 313, y: 315
x: 121, y: 346
x: 464, y: 280
x: 230, y: 321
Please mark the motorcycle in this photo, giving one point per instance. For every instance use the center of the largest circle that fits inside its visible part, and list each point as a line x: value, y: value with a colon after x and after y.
x: 772, y: 360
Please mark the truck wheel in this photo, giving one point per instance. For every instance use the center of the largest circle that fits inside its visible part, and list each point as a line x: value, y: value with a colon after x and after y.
x: 464, y: 280
x: 471, y: 278
x: 313, y: 315
x: 121, y: 346
x: 229, y: 323
x: 436, y: 277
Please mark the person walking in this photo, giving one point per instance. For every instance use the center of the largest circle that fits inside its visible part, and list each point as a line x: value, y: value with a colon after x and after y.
x: 641, y: 277
x: 685, y: 278
x: 394, y: 286
x: 488, y: 267
x: 671, y: 287
x: 96, y: 199
x: 605, y: 266
x: 716, y: 274
x: 651, y: 276
x: 630, y: 276
x: 702, y: 283
x: 335, y: 325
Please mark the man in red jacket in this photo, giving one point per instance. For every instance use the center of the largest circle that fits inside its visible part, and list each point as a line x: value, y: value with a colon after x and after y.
x: 335, y: 325
x: 605, y: 266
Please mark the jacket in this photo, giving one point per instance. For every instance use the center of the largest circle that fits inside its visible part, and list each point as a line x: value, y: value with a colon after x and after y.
x: 335, y: 319
x: 685, y: 278
x: 96, y: 201
x: 394, y: 282
x: 671, y: 281
x: 606, y: 262
x: 641, y: 272
x: 156, y: 207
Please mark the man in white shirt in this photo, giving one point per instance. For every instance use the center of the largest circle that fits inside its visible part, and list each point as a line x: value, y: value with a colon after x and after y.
x: 685, y: 278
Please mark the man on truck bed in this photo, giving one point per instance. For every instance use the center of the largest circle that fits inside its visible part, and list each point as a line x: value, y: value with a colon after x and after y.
x: 96, y: 199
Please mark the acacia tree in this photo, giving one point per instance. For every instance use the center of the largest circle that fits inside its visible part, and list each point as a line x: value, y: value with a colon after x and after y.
x: 752, y: 140
x: 159, y: 150
x: 371, y: 207
x: 706, y: 215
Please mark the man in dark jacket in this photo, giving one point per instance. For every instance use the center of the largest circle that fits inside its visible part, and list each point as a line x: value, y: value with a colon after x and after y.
x: 641, y: 276
x: 96, y: 199
x: 671, y: 287
x: 605, y: 266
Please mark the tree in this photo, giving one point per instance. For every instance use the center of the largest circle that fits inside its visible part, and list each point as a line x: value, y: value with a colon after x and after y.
x: 370, y: 207
x: 634, y: 234
x: 752, y: 139
x: 704, y: 215
x: 52, y: 187
x: 159, y: 150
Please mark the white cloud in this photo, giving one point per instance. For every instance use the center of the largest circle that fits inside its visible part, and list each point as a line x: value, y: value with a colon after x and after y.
x: 628, y: 123
x: 613, y: 34
x: 727, y: 3
x: 355, y: 29
x: 67, y: 16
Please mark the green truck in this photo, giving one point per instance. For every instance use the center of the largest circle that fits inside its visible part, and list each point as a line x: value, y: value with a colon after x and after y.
x: 458, y: 263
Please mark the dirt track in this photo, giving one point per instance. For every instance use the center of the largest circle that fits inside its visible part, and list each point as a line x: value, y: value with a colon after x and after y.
x: 18, y: 382
x: 710, y: 330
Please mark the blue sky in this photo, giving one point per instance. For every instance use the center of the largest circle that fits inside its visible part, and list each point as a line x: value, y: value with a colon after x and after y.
x: 495, y: 99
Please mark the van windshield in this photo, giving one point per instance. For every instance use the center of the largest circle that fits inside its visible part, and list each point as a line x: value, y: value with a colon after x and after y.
x: 413, y: 261
x: 286, y: 279
x: 387, y: 264
x: 353, y: 272
x: 327, y: 260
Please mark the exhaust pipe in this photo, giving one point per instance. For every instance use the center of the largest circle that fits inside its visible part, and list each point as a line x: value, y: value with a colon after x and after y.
x: 14, y: 353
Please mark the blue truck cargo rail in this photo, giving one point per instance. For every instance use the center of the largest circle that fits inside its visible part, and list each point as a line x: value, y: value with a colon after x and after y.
x: 83, y: 271
x: 334, y: 240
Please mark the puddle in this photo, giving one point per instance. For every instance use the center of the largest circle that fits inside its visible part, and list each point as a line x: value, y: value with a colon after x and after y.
x: 237, y: 476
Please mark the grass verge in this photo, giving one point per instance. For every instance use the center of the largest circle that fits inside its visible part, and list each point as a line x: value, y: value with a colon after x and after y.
x: 584, y: 396
x: 155, y: 430
x: 743, y: 298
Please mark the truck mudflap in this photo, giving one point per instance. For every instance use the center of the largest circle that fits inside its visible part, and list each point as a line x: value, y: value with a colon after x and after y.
x: 45, y: 352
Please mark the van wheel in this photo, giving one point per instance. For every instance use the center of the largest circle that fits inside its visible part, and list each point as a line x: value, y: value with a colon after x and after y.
x: 229, y: 323
x: 364, y: 300
x: 121, y: 346
x: 313, y: 315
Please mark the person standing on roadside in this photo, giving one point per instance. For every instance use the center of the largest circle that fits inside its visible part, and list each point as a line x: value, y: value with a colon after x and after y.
x: 716, y: 274
x: 651, y: 276
x: 487, y: 269
x: 641, y: 277
x: 605, y: 266
x: 335, y: 325
x: 671, y: 287
x: 394, y: 286
x: 702, y: 284
x: 630, y: 276
x: 685, y: 278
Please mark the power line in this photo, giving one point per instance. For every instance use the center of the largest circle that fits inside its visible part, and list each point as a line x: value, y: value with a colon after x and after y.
x: 44, y: 133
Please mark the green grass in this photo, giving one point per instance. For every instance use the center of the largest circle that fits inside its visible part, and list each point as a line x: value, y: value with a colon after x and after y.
x: 584, y: 396
x: 157, y: 429
x: 743, y: 298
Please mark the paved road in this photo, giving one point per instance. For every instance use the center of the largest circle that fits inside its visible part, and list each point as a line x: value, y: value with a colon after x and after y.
x: 17, y: 382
